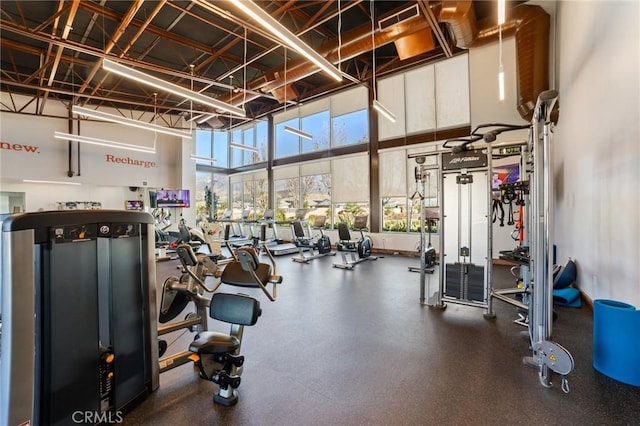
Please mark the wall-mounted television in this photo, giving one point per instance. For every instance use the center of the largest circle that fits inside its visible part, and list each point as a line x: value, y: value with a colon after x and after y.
x: 172, y: 198
x: 133, y: 205
x: 508, y: 173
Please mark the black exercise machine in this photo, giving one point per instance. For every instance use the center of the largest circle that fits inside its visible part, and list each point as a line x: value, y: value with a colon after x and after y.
x: 216, y: 355
x: 348, y: 247
x: 306, y: 242
x: 276, y: 245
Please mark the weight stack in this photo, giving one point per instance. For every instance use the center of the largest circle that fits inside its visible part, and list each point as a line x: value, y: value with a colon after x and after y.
x: 464, y: 281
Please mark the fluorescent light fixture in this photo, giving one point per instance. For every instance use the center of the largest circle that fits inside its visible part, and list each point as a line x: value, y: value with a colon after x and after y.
x: 501, y: 82
x: 384, y: 111
x: 161, y: 84
x: 298, y: 132
x: 280, y: 31
x: 205, y: 117
x: 195, y: 117
x: 129, y: 122
x: 501, y: 12
x: 198, y: 157
x: 51, y: 181
x: 102, y: 142
x: 243, y: 147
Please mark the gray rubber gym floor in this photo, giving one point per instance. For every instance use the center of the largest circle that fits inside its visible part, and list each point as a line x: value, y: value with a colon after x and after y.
x: 344, y: 347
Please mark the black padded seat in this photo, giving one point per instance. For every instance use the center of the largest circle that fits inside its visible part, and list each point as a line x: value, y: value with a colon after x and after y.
x: 233, y: 274
x: 211, y: 342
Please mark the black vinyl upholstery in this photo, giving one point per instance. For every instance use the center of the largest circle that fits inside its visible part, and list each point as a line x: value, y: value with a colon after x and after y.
x: 234, y: 274
x: 234, y: 308
x: 343, y: 232
x: 211, y: 342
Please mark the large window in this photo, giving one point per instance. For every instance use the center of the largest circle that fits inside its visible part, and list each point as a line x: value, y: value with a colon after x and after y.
x: 347, y: 212
x: 248, y: 140
x: 316, y: 196
x: 221, y: 149
x: 287, y: 144
x: 212, y: 144
x: 261, y: 196
x: 212, y: 195
x: 287, y: 193
x: 250, y: 192
x: 351, y: 128
x: 262, y: 131
x: 236, y: 199
x: 237, y: 154
x: 394, y: 214
x: 318, y: 126
x: 402, y: 187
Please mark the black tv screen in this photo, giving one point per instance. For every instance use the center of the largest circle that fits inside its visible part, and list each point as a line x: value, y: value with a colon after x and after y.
x: 172, y: 198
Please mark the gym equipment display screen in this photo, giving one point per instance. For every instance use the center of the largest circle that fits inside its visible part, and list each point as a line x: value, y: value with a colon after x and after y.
x: 134, y: 205
x: 173, y: 198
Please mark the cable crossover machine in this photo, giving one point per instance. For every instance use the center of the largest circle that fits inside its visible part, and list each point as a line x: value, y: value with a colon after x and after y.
x: 465, y: 247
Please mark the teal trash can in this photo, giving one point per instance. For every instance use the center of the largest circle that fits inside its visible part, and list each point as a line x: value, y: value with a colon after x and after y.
x: 616, y: 340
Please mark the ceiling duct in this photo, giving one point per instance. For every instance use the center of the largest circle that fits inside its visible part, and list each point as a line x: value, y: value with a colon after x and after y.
x: 529, y: 23
x: 215, y: 123
x: 354, y: 43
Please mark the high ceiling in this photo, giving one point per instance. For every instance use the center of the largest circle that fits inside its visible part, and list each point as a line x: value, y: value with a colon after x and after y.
x: 54, y: 49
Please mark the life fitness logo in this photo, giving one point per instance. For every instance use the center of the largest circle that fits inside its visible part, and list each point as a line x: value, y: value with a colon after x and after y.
x: 93, y: 417
x: 20, y: 148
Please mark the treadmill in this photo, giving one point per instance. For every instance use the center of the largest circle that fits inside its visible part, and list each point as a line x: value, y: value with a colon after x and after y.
x: 276, y: 246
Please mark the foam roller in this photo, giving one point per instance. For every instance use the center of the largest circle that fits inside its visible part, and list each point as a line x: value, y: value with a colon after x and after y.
x: 616, y: 340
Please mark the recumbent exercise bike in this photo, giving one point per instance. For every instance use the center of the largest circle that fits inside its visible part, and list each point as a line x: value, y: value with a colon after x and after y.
x: 305, y: 242
x: 216, y: 355
x: 348, y: 248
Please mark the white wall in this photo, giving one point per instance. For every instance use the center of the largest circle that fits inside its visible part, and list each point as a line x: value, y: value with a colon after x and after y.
x: 597, y: 146
x: 29, y: 151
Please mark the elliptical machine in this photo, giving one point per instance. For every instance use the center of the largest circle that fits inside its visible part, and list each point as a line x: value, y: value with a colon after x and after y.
x: 348, y: 247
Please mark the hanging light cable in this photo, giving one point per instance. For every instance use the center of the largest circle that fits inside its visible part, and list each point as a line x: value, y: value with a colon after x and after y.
x: 297, y: 132
x: 376, y: 104
x: 155, y: 119
x: 199, y: 120
x: 501, y: 19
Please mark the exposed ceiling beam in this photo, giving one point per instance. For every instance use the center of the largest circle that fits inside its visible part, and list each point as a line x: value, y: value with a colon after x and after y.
x: 304, y: 31
x: 124, y: 23
x: 168, y: 35
x: 133, y: 39
x: 65, y: 33
x: 111, y: 99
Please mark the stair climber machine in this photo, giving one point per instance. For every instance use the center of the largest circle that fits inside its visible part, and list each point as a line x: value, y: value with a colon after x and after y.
x: 305, y: 242
x: 215, y: 355
x: 348, y: 248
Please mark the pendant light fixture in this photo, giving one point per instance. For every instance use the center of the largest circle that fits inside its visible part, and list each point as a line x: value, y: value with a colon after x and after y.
x: 199, y: 120
x: 287, y: 37
x: 501, y: 19
x: 376, y: 104
x: 166, y: 86
x: 289, y: 129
